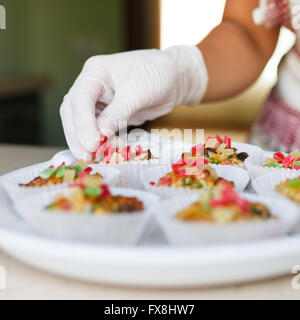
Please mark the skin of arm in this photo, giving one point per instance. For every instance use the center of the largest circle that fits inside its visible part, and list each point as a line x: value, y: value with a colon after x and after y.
x: 236, y: 51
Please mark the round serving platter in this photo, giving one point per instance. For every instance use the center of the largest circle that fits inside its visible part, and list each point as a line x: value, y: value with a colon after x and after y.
x: 152, y: 263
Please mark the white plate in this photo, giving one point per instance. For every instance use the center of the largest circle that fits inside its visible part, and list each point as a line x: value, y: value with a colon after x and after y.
x: 147, y: 264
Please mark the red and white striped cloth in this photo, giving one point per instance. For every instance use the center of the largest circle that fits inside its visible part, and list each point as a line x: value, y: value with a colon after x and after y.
x: 279, y: 13
x: 279, y: 121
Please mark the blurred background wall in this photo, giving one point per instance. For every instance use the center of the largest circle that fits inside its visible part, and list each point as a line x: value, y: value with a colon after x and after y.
x: 44, y: 47
x: 47, y: 41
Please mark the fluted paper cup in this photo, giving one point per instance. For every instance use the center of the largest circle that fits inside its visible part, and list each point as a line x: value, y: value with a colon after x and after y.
x: 255, y: 167
x: 265, y: 185
x: 11, y: 184
x: 179, y: 232
x: 129, y: 171
x: 107, y: 229
x: 252, y: 151
x: 231, y: 173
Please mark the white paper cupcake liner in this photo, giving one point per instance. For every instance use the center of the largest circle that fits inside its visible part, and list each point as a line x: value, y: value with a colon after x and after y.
x: 110, y: 177
x: 237, y: 175
x: 251, y: 150
x: 180, y: 232
x: 265, y: 185
x: 107, y: 229
x: 255, y: 166
x: 129, y: 171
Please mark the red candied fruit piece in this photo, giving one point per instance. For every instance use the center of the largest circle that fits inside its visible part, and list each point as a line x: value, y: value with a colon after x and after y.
x: 279, y: 156
x: 85, y: 172
x: 219, y: 139
x: 152, y: 183
x: 227, y: 141
x: 177, y: 165
x: 88, y: 170
x: 62, y: 164
x: 166, y: 181
x: 126, y: 152
x: 229, y: 195
x: 105, y: 191
x: 295, y: 166
x: 138, y: 150
x: 288, y: 161
x: 108, y: 151
x: 197, y: 149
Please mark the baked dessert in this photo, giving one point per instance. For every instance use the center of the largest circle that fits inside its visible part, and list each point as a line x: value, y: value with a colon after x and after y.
x: 106, y: 153
x: 223, y: 205
x: 90, y: 196
x: 284, y: 160
x: 191, y: 176
x: 217, y: 151
x: 290, y: 188
x: 62, y: 174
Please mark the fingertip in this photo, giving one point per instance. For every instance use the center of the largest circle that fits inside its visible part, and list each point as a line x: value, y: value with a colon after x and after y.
x: 107, y: 127
x: 89, y: 142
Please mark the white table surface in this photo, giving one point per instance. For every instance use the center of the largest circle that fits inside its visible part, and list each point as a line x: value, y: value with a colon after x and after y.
x: 25, y: 282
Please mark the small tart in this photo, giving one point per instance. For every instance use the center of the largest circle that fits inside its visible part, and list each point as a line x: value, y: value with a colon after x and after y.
x: 223, y: 205
x: 284, y: 160
x: 193, y: 177
x: 290, y: 188
x: 108, y: 154
x: 217, y: 151
x: 62, y: 174
x: 96, y: 199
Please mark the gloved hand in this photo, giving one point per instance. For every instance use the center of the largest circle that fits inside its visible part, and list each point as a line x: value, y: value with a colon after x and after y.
x: 122, y: 89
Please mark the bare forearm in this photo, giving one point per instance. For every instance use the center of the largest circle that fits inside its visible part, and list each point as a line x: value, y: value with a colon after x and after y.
x: 236, y: 52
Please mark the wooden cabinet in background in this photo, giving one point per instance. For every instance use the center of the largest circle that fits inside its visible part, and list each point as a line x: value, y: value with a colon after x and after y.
x: 20, y: 107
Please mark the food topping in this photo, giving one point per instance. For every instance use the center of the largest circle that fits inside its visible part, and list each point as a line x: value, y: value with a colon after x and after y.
x: 284, y: 160
x: 94, y: 197
x: 290, y: 188
x: 217, y: 151
x: 189, y: 175
x: 62, y: 174
x: 106, y: 153
x: 222, y: 204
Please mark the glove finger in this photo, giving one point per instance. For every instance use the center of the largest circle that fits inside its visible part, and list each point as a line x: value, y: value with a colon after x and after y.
x: 115, y: 116
x: 84, y: 98
x: 149, y: 114
x: 70, y: 132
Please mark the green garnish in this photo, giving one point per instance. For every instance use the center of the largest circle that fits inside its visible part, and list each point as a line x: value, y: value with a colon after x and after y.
x: 50, y: 206
x: 214, y: 161
x: 77, y: 169
x: 92, y: 191
x: 61, y: 171
x: 187, y: 181
x: 47, y: 173
x: 206, y: 206
x: 275, y: 165
x: 296, y: 163
x: 294, y: 183
x: 198, y: 185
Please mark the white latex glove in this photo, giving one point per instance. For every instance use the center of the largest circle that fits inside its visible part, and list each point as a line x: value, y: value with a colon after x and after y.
x: 133, y: 86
